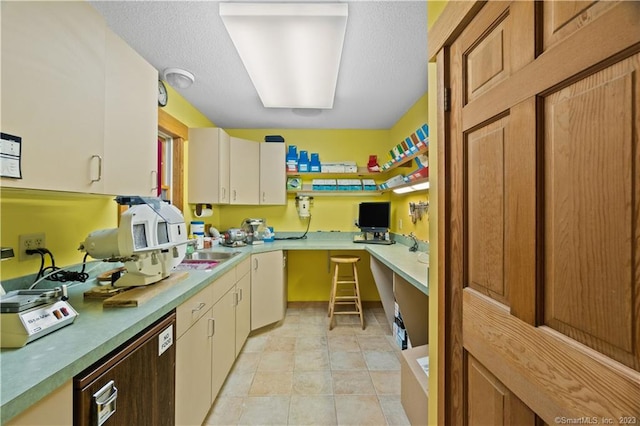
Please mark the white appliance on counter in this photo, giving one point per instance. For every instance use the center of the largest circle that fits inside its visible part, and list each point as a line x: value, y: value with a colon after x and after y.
x: 28, y: 315
x: 150, y: 240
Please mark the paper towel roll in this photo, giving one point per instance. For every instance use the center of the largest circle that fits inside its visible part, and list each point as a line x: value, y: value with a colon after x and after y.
x: 203, y: 212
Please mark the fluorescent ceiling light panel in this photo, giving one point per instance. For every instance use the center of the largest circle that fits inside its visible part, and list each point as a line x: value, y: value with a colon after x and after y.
x: 291, y: 51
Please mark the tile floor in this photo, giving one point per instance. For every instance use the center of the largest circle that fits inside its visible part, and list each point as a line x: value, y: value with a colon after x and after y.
x: 300, y: 373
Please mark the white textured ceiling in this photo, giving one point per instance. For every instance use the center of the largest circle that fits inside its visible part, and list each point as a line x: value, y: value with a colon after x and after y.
x: 383, y: 71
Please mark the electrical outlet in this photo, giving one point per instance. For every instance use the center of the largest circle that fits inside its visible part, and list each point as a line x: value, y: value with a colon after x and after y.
x: 30, y: 242
x: 400, y: 224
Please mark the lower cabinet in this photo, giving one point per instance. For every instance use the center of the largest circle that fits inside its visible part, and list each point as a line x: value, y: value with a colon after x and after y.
x: 224, y: 339
x: 212, y: 327
x: 193, y: 358
x: 54, y: 409
x: 268, y: 288
x: 243, y: 304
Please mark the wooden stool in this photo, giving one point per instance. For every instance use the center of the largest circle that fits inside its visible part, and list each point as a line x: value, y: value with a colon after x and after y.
x: 345, y: 290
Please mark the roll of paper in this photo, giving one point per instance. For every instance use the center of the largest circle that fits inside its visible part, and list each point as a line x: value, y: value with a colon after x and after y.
x: 204, y: 212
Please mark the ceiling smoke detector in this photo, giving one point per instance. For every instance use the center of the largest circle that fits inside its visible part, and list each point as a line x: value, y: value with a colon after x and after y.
x: 178, y: 78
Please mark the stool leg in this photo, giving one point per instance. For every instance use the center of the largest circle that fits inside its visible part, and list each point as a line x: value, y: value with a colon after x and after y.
x: 332, y: 296
x: 358, y: 300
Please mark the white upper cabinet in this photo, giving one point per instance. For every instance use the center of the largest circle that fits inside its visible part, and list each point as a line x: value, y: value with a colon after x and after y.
x: 208, y: 166
x: 83, y: 102
x: 53, y: 92
x: 273, y: 176
x: 131, y: 121
x: 244, y: 171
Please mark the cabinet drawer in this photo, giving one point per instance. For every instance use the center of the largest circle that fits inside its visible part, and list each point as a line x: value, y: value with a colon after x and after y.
x: 192, y: 310
x: 223, y: 284
x: 243, y: 268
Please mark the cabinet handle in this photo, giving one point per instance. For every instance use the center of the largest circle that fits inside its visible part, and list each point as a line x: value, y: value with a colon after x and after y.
x: 235, y: 195
x: 105, y: 401
x: 240, y: 295
x: 99, y: 168
x: 235, y: 299
x: 212, y: 327
x: 224, y: 194
x: 199, y: 307
x: 264, y: 196
x: 255, y: 264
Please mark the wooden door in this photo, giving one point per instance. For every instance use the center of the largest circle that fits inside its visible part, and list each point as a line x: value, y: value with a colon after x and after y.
x: 540, y: 199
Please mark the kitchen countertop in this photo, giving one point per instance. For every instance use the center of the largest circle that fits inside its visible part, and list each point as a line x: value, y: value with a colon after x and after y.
x: 29, y: 373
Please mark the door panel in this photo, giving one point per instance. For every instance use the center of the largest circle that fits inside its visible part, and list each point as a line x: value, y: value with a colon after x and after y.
x: 592, y: 211
x: 488, y: 62
x: 541, y: 211
x: 485, y: 189
x: 562, y: 18
x: 490, y: 402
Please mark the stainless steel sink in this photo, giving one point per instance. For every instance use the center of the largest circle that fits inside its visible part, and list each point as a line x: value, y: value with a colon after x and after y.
x: 211, y: 255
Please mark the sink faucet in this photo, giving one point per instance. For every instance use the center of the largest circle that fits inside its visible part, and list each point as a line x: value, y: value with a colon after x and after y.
x: 192, y: 245
x: 414, y: 247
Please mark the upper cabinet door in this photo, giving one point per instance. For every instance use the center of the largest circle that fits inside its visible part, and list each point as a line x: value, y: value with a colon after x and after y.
x: 131, y: 121
x: 53, y: 93
x: 244, y: 171
x: 273, y: 176
x: 208, y: 166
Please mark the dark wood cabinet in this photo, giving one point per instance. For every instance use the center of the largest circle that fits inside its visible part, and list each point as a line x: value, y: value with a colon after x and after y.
x: 135, y: 383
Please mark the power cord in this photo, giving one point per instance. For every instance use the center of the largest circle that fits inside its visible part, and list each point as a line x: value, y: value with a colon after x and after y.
x: 302, y: 237
x: 53, y: 273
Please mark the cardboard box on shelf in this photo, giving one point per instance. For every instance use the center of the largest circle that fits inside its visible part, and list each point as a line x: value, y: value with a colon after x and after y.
x: 414, y: 384
x: 369, y: 185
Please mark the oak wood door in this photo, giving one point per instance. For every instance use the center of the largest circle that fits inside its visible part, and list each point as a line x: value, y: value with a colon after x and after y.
x: 541, y: 230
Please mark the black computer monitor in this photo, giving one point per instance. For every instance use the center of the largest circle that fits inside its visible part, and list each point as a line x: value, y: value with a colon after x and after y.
x: 374, y: 217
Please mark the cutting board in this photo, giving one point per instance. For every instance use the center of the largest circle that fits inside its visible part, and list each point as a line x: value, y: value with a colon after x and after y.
x: 139, y: 295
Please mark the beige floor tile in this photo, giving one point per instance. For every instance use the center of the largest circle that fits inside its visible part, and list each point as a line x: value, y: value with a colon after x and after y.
x: 370, y: 329
x: 352, y: 383
x: 300, y: 372
x: 312, y: 330
x: 359, y: 410
x: 311, y: 343
x: 276, y: 361
x: 225, y: 411
x: 287, y: 330
x: 312, y: 410
x: 343, y: 343
x: 311, y: 360
x: 280, y: 343
x: 341, y: 329
x: 312, y: 383
x: 237, y: 384
x: 271, y: 383
x: 265, y: 410
x: 377, y: 360
x: 246, y: 362
x: 393, y: 411
x: 386, y: 382
x: 347, y: 361
x: 255, y: 343
x: 374, y: 343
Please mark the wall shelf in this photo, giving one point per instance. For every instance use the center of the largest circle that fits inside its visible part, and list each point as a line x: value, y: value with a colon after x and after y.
x: 406, y: 161
x: 362, y: 172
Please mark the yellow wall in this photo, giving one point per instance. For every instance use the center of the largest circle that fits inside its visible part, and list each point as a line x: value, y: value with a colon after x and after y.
x: 310, y: 274
x: 413, y: 119
x: 66, y: 219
